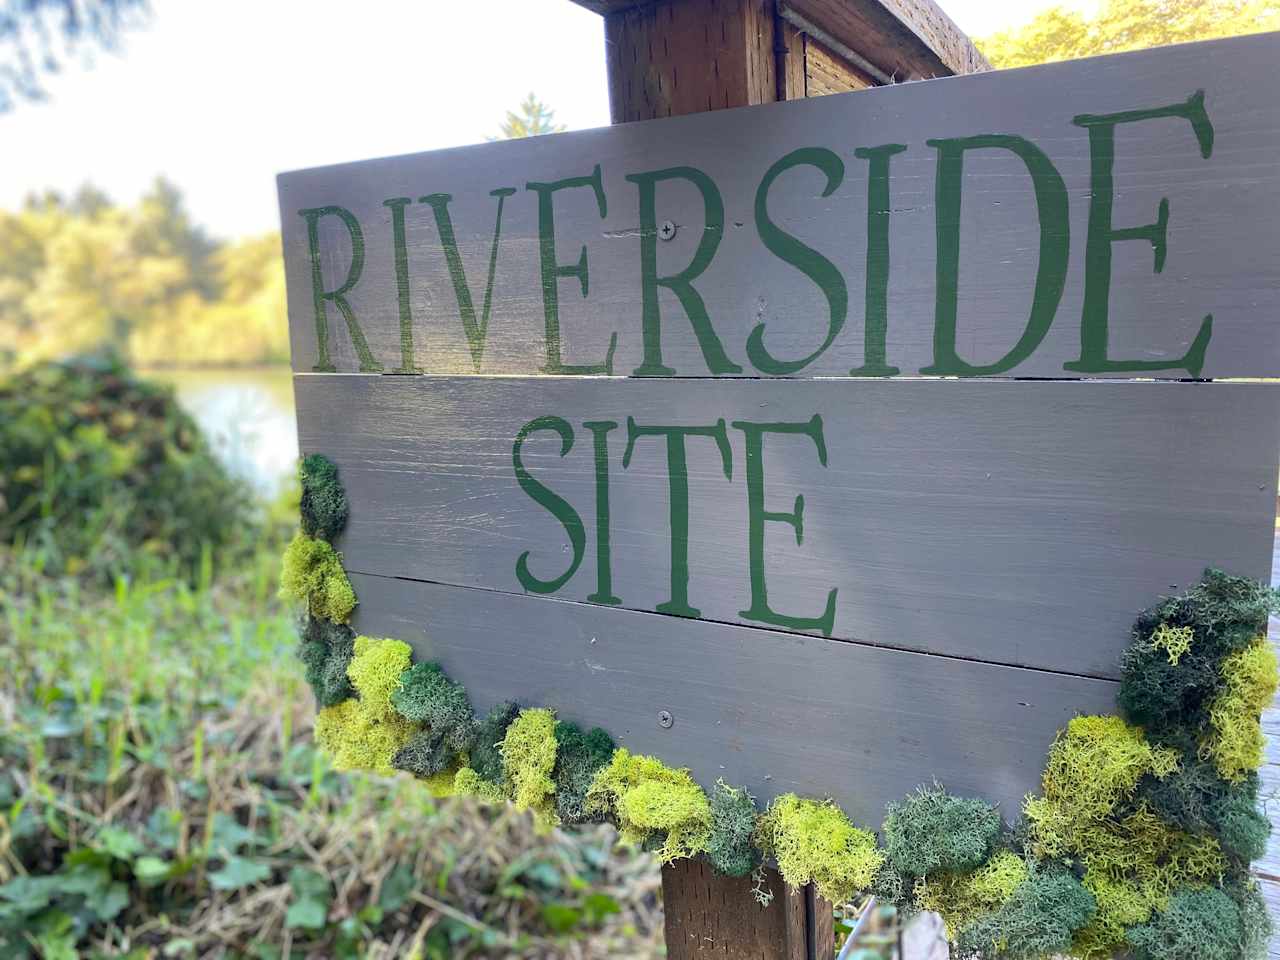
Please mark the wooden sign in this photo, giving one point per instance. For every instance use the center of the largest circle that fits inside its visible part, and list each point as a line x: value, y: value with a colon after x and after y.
x: 662, y: 425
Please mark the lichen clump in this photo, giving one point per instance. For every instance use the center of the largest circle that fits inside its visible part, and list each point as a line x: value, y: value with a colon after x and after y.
x: 324, y: 503
x: 656, y: 807
x: 312, y: 572
x: 815, y: 842
x: 1140, y: 840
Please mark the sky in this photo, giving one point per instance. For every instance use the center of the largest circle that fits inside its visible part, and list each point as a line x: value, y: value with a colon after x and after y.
x: 221, y: 96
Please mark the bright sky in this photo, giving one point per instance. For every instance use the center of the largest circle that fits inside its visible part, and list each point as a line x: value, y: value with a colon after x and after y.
x: 221, y: 96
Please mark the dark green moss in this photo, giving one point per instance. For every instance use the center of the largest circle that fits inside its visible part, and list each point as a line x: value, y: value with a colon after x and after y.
x: 578, y: 756
x: 1038, y: 921
x: 326, y: 651
x: 733, y: 821
x: 1172, y: 700
x: 485, y: 752
x: 932, y: 831
x: 1196, y: 799
x: 426, y: 695
x: 324, y: 502
x: 1197, y: 925
x: 426, y: 754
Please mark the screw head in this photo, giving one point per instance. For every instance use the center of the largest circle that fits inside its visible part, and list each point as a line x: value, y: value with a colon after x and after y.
x: 667, y: 230
x: 665, y: 719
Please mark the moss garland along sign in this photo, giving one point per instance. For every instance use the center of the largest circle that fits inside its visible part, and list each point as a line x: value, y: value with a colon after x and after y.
x: 830, y: 446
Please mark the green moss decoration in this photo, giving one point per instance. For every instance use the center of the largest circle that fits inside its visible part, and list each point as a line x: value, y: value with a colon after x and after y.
x: 468, y: 783
x: 932, y: 830
x: 1139, y: 842
x: 312, y: 572
x: 1197, y: 925
x: 579, y: 756
x: 814, y: 842
x: 429, y: 697
x: 326, y: 650
x: 324, y: 502
x: 1038, y: 921
x: 528, y: 757
x: 1170, y: 695
x: 1236, y: 742
x: 655, y: 806
x: 733, y: 823
x: 486, y: 744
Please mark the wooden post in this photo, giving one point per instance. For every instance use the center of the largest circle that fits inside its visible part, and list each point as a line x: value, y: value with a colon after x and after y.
x: 672, y: 57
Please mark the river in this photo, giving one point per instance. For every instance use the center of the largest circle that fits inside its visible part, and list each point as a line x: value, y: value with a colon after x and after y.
x: 248, y: 416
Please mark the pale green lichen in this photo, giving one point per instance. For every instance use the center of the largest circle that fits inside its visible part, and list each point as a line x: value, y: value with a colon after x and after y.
x: 528, y: 757
x: 653, y: 804
x: 815, y: 842
x: 312, y: 572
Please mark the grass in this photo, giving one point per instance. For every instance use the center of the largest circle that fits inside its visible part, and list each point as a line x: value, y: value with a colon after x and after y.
x: 160, y: 796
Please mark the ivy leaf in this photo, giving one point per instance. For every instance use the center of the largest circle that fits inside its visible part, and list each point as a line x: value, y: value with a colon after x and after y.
x: 120, y: 844
x: 561, y: 917
x: 238, y: 873
x: 151, y: 871
x: 109, y: 901
x: 29, y: 894
x: 311, y: 906
x: 228, y: 836
x: 597, y: 906
x: 396, y: 888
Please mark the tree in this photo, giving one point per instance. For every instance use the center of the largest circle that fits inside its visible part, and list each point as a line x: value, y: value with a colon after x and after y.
x: 1120, y: 25
x: 38, y: 36
x: 534, y: 119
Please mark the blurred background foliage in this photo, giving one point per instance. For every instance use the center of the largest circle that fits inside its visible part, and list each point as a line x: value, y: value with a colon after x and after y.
x: 82, y: 272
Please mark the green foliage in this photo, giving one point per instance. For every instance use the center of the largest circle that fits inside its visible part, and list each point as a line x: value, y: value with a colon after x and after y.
x: 579, y: 756
x: 326, y: 650
x: 312, y: 572
x: 1197, y: 925
x: 486, y: 746
x: 528, y: 757
x: 427, y: 696
x: 323, y: 506
x: 82, y: 274
x: 1060, y: 33
x: 733, y: 824
x: 932, y: 831
x: 654, y: 805
x: 105, y: 475
x: 815, y: 842
x: 1037, y: 921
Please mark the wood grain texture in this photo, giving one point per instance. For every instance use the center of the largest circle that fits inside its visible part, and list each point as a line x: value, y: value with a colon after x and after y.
x: 826, y: 73
x: 709, y: 915
x: 1015, y: 522
x: 1222, y: 227
x: 774, y: 712
x: 1267, y: 869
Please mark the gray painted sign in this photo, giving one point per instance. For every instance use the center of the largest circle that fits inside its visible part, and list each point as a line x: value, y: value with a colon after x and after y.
x: 840, y: 569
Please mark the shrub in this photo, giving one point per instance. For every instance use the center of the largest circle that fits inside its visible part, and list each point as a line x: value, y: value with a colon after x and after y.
x: 101, y: 471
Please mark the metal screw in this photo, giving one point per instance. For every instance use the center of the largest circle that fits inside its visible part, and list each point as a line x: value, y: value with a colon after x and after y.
x: 667, y: 230
x: 665, y: 719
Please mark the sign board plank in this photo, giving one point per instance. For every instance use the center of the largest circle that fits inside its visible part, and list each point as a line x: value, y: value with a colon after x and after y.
x: 1015, y: 522
x: 1074, y: 220
x: 774, y: 712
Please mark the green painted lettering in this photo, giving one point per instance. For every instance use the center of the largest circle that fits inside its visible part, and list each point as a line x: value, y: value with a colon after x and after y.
x: 758, y: 516
x: 337, y: 296
x: 804, y: 258
x: 678, y: 488
x: 604, y: 563
x: 552, y: 271
x: 1051, y: 270
x: 681, y: 284
x: 556, y: 505
x: 400, y: 252
x: 874, y: 361
x: 476, y: 330
x: 1101, y: 235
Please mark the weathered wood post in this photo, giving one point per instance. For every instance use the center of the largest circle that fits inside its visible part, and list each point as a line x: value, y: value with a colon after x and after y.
x: 671, y: 57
